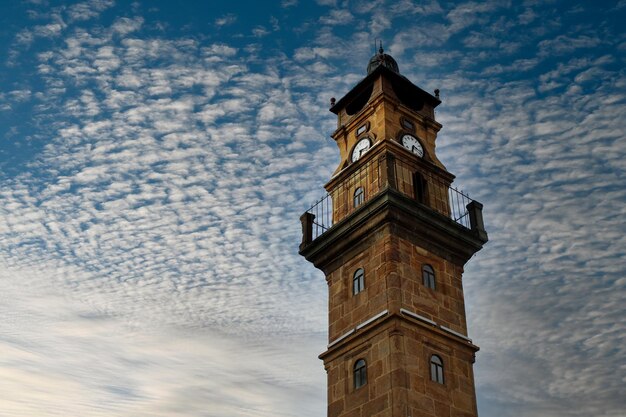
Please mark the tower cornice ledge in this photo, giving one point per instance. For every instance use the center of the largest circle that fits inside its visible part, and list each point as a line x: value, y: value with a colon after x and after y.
x: 416, y: 221
x: 392, y: 321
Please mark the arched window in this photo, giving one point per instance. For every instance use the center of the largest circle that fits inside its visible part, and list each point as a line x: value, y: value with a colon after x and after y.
x: 358, y: 281
x: 419, y: 188
x: 436, y: 369
x: 359, y: 196
x: 428, y: 276
x: 360, y: 373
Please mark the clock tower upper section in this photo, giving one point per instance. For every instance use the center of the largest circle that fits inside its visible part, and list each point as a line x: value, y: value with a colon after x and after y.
x: 385, y: 106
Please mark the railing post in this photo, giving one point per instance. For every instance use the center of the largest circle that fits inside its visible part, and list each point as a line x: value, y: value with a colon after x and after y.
x: 475, y: 211
x: 388, y: 170
x: 307, y: 228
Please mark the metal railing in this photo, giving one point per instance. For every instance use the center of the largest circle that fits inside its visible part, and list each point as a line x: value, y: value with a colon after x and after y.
x: 322, y: 211
x: 369, y: 180
x: 359, y: 187
x: 458, y: 207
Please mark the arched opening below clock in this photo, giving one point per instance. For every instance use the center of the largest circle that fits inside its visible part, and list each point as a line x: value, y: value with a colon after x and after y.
x: 420, y: 188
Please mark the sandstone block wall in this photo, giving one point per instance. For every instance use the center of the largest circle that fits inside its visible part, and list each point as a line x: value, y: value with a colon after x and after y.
x: 393, y: 280
x: 398, y: 373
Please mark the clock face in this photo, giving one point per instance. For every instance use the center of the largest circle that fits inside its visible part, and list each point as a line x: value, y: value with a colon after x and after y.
x: 360, y: 148
x: 412, y: 144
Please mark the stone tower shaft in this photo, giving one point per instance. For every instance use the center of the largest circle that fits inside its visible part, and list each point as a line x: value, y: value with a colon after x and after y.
x: 392, y: 237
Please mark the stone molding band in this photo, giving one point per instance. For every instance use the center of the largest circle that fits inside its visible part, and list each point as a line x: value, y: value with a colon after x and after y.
x: 426, y: 320
x: 358, y: 327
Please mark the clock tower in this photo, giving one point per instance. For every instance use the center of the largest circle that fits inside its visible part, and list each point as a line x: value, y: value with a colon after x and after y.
x: 392, y: 237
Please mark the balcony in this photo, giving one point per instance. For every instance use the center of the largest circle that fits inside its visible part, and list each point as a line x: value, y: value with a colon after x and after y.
x: 350, y: 190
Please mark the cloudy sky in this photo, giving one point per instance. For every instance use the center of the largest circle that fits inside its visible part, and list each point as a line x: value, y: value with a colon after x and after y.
x: 155, y: 159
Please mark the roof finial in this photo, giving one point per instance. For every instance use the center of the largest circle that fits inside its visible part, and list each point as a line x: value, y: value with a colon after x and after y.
x: 380, y: 58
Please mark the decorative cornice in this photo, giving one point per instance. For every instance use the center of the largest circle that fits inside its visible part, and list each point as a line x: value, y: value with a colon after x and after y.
x: 393, y: 207
x: 358, y: 327
x: 432, y: 323
x: 342, y: 343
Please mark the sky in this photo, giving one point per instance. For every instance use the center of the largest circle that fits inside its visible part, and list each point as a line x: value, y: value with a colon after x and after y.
x: 155, y: 157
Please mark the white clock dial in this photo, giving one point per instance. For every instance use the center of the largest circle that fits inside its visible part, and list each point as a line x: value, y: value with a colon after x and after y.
x: 413, y: 145
x: 360, y: 148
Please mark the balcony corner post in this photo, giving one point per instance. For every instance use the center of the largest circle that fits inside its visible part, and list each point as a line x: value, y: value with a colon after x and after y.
x: 307, y: 229
x: 475, y: 210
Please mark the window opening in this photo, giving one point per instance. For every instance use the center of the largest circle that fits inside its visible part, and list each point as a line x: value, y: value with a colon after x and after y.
x: 358, y: 281
x: 436, y: 369
x: 360, y: 373
x: 359, y: 197
x: 428, y: 276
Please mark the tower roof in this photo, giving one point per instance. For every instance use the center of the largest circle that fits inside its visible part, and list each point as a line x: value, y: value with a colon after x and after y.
x: 388, y: 68
x: 381, y: 58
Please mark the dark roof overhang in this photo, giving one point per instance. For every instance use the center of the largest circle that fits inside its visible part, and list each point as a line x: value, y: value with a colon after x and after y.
x: 400, y: 80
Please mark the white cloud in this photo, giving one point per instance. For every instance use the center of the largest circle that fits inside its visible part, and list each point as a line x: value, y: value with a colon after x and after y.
x: 527, y: 17
x: 289, y: 3
x: 220, y: 50
x: 337, y: 17
x: 471, y: 13
x: 423, y: 8
x: 226, y: 20
x: 564, y: 44
x: 306, y: 53
x: 123, y: 25
x: 19, y: 95
x: 517, y: 66
x: 260, y: 31
x: 479, y: 40
x: 88, y: 9
x: 49, y: 30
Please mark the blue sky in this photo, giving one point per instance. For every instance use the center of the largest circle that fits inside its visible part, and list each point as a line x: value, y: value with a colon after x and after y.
x: 155, y: 158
